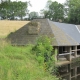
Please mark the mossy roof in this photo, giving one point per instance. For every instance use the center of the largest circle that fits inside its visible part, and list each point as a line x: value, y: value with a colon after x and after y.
x: 47, y: 27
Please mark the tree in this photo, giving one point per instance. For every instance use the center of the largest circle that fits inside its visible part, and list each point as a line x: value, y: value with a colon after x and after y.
x: 73, y: 11
x: 54, y: 11
x: 1, y: 1
x: 10, y: 9
x: 33, y: 15
x: 22, y: 9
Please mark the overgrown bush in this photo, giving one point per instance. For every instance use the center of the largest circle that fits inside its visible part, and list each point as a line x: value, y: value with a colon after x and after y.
x: 45, y: 53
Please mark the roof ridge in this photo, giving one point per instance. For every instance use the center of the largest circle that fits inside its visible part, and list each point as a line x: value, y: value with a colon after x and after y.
x: 52, y: 32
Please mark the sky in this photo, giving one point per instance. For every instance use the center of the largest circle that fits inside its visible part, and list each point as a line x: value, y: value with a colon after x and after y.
x: 37, y: 5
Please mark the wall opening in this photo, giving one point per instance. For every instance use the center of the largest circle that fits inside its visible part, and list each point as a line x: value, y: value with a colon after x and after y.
x: 78, y: 70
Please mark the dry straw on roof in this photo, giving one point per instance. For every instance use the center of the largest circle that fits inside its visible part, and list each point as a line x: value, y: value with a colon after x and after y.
x: 33, y: 28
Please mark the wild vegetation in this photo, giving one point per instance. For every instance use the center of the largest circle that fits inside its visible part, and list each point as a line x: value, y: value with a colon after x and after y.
x: 22, y: 62
x: 45, y: 53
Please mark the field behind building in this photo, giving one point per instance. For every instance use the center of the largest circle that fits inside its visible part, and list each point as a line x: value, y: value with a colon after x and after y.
x: 7, y: 26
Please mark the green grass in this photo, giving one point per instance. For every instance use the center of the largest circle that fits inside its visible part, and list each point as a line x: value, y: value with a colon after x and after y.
x: 17, y: 63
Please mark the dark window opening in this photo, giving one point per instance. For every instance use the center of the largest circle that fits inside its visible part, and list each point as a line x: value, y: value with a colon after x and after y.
x: 72, y: 48
x: 78, y: 47
x: 78, y: 70
x: 72, y: 72
x: 78, y: 52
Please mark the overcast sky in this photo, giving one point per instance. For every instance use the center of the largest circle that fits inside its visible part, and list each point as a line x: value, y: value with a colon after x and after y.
x: 37, y: 5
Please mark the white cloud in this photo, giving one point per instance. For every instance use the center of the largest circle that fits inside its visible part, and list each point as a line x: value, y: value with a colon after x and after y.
x: 37, y: 5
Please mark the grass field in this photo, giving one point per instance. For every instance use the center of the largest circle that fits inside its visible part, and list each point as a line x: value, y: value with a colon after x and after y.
x: 7, y: 26
x: 17, y: 62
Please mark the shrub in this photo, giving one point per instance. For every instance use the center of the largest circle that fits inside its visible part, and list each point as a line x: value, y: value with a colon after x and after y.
x: 44, y: 53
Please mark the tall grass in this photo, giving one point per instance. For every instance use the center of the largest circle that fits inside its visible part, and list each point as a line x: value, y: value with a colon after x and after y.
x: 17, y: 63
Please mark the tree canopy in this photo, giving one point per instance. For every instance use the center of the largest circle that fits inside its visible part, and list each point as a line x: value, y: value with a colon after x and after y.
x: 54, y: 11
x: 73, y: 11
x: 9, y: 10
x: 33, y: 15
x: 68, y: 12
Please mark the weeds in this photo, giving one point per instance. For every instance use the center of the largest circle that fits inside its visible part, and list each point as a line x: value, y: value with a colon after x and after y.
x: 17, y: 63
